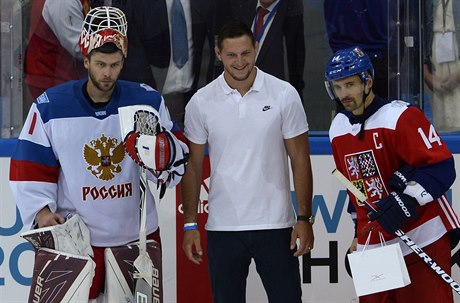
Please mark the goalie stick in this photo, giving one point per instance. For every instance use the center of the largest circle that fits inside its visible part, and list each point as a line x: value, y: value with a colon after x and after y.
x: 146, y: 121
x: 143, y: 264
x: 144, y: 124
x: 402, y: 235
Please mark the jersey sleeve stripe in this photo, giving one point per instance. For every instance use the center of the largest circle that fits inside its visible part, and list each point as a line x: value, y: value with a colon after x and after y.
x: 449, y: 212
x: 30, y: 151
x: 32, y: 124
x: 31, y: 171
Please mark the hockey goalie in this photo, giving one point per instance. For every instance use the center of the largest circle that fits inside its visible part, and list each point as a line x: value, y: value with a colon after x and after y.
x: 79, y: 176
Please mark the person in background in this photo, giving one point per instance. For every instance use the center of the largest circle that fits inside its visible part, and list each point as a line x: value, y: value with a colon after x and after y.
x: 148, y: 35
x: 53, y: 55
x: 395, y: 156
x: 252, y: 124
x: 278, y: 28
x: 203, y: 14
x: 70, y: 156
x: 442, y: 62
x: 179, y: 77
x: 373, y: 26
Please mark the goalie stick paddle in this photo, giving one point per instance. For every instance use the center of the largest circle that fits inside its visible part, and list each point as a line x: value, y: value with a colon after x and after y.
x: 143, y: 264
x: 402, y: 235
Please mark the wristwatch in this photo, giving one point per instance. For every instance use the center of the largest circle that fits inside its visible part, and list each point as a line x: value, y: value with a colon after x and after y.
x: 310, y: 219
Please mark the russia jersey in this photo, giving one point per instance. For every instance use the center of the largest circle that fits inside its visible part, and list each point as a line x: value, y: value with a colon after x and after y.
x: 395, y: 134
x: 70, y: 156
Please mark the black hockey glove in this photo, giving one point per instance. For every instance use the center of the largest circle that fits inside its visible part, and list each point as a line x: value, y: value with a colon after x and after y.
x: 401, y: 177
x: 394, y: 210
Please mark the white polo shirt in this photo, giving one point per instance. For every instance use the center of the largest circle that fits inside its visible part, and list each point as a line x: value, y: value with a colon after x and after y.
x: 249, y: 187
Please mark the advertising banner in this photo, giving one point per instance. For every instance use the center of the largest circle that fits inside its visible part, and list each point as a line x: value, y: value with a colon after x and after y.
x: 324, y: 275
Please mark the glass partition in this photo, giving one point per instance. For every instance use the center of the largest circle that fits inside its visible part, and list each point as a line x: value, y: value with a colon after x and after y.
x: 441, y: 65
x: 12, y: 41
x: 389, y: 31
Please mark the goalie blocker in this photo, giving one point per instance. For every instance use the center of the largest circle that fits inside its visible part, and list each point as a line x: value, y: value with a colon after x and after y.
x: 72, y: 237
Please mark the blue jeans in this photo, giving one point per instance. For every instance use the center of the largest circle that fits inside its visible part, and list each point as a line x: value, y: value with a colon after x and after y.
x: 230, y: 254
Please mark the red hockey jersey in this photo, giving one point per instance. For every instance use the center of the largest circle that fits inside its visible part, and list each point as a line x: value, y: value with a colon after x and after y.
x: 395, y: 134
x: 52, y: 52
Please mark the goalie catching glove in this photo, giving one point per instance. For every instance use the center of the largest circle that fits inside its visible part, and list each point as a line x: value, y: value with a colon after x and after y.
x: 150, y: 145
x: 154, y: 152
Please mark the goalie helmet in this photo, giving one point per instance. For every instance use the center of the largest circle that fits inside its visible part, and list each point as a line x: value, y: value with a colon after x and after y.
x: 104, y: 24
x: 346, y: 63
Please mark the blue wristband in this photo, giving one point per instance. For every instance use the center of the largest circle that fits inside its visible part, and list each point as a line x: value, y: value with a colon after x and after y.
x: 190, y: 226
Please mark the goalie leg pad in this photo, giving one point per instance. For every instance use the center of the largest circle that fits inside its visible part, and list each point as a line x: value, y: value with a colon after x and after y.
x: 60, y: 277
x: 120, y: 284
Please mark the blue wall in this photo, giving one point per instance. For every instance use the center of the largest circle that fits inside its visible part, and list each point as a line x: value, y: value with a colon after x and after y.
x: 318, y: 145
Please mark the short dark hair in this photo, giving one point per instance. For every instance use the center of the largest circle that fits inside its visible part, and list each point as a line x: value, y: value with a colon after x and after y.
x: 107, y: 48
x: 234, y: 29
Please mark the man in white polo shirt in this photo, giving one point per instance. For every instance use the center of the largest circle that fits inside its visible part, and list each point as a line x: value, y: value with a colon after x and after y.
x: 252, y: 123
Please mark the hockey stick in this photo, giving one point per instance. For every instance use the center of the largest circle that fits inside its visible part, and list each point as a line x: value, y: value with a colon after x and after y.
x: 140, y: 125
x: 402, y: 235
x: 143, y: 263
x: 145, y: 123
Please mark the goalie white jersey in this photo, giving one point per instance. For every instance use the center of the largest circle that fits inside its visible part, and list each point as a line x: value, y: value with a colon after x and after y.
x: 70, y: 156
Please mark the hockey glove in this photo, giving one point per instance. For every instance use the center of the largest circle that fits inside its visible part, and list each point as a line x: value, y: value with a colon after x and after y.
x: 401, y: 177
x: 155, y: 153
x: 394, y: 210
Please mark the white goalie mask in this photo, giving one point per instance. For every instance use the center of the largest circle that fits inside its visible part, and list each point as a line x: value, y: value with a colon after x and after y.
x: 104, y: 24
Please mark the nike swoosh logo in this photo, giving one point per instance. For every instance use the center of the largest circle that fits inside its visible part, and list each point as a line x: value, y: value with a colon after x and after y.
x: 266, y: 107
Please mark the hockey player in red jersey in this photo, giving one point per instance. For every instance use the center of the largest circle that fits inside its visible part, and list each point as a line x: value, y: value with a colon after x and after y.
x: 71, y: 154
x: 53, y: 55
x: 393, y: 154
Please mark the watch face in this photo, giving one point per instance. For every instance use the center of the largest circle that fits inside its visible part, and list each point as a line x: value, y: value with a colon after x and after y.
x: 311, y: 219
